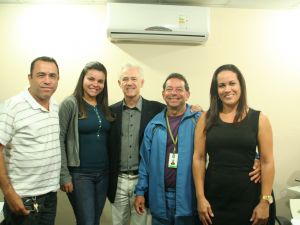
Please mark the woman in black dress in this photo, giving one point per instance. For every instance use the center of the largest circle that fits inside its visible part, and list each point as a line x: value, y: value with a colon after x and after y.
x: 229, y: 133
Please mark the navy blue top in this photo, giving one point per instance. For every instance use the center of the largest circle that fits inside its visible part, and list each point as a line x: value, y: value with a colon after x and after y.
x: 93, y: 152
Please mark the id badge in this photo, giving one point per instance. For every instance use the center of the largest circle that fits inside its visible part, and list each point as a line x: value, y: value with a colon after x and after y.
x: 173, y: 159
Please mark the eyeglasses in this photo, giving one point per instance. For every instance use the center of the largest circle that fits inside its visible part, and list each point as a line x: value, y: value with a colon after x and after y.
x: 176, y: 90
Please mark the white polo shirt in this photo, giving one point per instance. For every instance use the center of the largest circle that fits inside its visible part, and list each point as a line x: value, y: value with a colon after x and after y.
x: 30, y: 134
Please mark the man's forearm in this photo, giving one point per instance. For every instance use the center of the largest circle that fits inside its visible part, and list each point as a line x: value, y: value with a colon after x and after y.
x: 5, y: 184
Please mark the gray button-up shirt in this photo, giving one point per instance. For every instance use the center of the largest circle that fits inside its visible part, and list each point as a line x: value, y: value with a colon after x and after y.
x: 131, y: 120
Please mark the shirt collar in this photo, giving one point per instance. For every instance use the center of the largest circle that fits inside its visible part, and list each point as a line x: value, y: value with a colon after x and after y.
x: 34, y: 104
x: 138, y: 105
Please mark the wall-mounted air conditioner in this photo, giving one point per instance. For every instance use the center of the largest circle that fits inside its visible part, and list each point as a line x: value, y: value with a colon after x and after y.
x: 158, y: 23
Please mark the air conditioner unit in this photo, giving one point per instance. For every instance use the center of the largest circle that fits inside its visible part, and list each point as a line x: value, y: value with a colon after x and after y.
x: 157, y: 23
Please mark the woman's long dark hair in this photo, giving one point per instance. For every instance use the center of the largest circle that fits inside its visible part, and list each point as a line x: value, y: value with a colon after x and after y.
x: 216, y: 105
x: 102, y: 98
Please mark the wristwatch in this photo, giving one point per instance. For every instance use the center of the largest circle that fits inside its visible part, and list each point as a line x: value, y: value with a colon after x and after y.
x: 268, y: 198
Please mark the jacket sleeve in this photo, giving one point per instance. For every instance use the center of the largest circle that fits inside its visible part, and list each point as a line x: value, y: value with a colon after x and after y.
x: 65, y: 115
x: 145, y: 151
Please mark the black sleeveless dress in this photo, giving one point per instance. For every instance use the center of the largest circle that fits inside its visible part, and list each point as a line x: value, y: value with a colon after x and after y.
x: 231, y: 149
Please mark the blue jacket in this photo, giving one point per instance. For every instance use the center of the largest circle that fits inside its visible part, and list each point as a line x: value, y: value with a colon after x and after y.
x: 152, y: 165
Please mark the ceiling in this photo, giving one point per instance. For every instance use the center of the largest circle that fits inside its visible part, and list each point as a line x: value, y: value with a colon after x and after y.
x: 257, y: 4
x: 271, y: 4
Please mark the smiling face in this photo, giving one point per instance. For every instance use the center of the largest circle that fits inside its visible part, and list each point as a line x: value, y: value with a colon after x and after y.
x: 175, y: 94
x: 93, y: 83
x: 131, y: 82
x: 229, y: 89
x: 43, y: 81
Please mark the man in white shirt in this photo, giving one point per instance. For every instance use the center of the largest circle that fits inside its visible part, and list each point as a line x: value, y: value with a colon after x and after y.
x: 30, y: 150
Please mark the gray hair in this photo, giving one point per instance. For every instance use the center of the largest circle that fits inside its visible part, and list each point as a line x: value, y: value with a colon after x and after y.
x: 129, y: 66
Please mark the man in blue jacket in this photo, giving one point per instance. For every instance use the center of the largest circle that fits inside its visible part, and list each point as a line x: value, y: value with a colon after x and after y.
x: 165, y: 170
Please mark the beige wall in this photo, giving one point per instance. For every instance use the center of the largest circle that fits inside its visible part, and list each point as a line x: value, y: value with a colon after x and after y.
x: 264, y: 44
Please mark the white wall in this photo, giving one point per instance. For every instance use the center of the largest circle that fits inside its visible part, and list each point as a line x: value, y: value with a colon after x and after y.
x: 264, y: 44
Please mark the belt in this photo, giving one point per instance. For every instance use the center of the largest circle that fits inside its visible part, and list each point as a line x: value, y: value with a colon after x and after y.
x: 34, y: 203
x: 130, y: 172
x: 42, y: 196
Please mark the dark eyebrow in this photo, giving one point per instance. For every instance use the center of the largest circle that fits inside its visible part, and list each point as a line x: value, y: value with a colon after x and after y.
x: 43, y: 73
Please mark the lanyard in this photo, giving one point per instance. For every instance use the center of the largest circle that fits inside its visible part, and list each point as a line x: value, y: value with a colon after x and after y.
x: 174, y: 141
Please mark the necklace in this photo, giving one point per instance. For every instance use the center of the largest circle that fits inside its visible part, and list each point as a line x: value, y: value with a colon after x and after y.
x: 99, y: 120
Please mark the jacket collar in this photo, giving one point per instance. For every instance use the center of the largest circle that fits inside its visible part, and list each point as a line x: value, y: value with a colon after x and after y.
x: 160, y: 118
